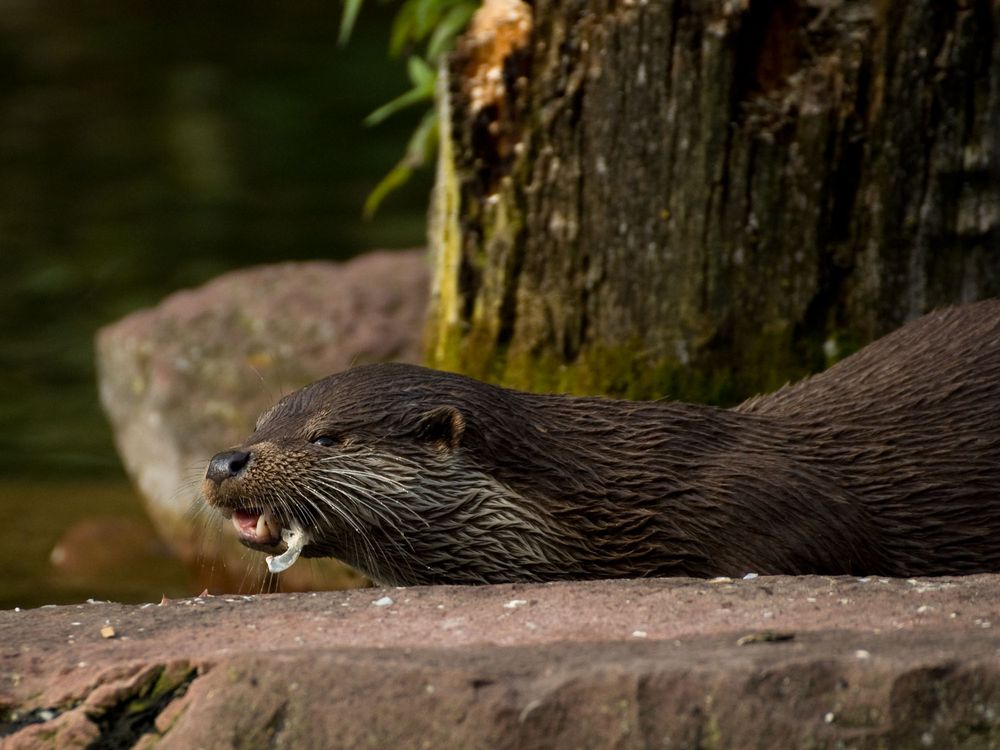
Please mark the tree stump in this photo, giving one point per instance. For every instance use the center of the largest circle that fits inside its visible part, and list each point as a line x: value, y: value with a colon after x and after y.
x: 708, y: 198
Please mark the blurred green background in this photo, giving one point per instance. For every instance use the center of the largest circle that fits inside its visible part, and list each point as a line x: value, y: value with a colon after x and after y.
x: 145, y: 148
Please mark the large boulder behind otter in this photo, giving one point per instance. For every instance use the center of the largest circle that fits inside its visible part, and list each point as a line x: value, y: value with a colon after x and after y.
x: 182, y: 379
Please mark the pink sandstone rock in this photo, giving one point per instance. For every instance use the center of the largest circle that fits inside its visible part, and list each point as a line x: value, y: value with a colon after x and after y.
x: 824, y: 662
x: 188, y: 378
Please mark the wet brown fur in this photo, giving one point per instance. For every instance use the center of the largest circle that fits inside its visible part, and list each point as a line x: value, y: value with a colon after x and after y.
x: 888, y: 464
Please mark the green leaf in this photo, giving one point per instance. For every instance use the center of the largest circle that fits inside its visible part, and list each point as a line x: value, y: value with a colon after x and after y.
x: 448, y: 28
x: 424, y: 16
x: 402, y: 27
x: 347, y: 19
x: 421, y: 74
x: 438, y: 22
x: 428, y: 13
x: 417, y: 20
x: 416, y: 95
x: 423, y: 141
x: 396, y: 178
x: 418, y: 151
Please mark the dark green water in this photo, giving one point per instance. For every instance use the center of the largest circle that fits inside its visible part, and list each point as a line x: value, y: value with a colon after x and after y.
x: 112, y: 552
x: 146, y: 147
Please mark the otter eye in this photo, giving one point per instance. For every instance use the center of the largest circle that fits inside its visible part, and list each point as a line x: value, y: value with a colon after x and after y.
x: 324, y: 441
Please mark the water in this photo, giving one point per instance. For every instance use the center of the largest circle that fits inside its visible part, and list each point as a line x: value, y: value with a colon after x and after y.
x: 110, y: 549
x: 145, y: 148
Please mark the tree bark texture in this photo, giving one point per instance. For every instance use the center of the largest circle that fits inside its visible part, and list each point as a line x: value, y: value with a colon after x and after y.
x: 707, y: 198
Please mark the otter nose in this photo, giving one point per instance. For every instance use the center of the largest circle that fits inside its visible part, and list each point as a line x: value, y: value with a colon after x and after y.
x: 226, y: 464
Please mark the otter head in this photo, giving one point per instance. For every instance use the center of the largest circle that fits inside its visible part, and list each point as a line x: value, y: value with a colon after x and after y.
x: 388, y: 468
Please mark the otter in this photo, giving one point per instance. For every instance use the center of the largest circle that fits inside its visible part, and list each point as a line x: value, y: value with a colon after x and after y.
x: 886, y: 464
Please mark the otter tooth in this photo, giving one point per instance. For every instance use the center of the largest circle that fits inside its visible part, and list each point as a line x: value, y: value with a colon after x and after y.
x: 268, y: 526
x: 262, y: 531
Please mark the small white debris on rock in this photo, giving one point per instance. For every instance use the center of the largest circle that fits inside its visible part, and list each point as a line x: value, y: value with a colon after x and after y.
x: 385, y: 601
x: 638, y: 633
x: 862, y: 654
x: 750, y: 576
x: 515, y: 603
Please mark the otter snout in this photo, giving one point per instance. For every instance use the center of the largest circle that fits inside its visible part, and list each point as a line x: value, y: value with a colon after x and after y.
x: 225, y: 465
x: 257, y: 525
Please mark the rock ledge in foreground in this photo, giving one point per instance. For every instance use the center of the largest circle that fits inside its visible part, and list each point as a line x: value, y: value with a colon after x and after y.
x: 825, y: 662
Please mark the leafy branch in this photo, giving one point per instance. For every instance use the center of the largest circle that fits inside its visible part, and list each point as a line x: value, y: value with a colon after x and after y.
x: 435, y: 23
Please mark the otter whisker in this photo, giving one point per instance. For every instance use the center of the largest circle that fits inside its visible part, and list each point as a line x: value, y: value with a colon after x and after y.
x: 296, y: 510
x: 320, y: 498
x: 360, y: 535
x: 346, y: 487
x: 372, y: 479
x: 378, y: 478
x: 342, y: 491
x: 354, y: 457
x: 375, y: 486
x: 382, y: 519
x: 283, y: 506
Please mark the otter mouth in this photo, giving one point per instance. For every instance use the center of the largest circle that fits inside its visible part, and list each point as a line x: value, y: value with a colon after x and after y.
x: 257, y: 528
x: 262, y: 530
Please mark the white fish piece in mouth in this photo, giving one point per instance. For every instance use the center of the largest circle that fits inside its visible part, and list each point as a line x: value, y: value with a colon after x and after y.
x: 296, y: 538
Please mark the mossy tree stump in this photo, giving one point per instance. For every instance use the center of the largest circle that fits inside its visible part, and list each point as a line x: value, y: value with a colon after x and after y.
x: 705, y: 199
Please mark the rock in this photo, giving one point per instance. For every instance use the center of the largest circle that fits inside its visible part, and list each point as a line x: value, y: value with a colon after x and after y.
x: 188, y: 378
x: 71, y: 729
x: 875, y: 663
x: 96, y: 549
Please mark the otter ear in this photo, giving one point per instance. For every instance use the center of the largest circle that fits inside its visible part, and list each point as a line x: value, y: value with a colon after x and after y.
x: 443, y: 425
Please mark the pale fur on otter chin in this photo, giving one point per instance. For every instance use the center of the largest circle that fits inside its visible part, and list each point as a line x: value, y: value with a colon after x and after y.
x: 411, y: 524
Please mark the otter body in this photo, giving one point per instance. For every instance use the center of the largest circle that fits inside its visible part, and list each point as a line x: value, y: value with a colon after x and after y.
x: 886, y: 464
